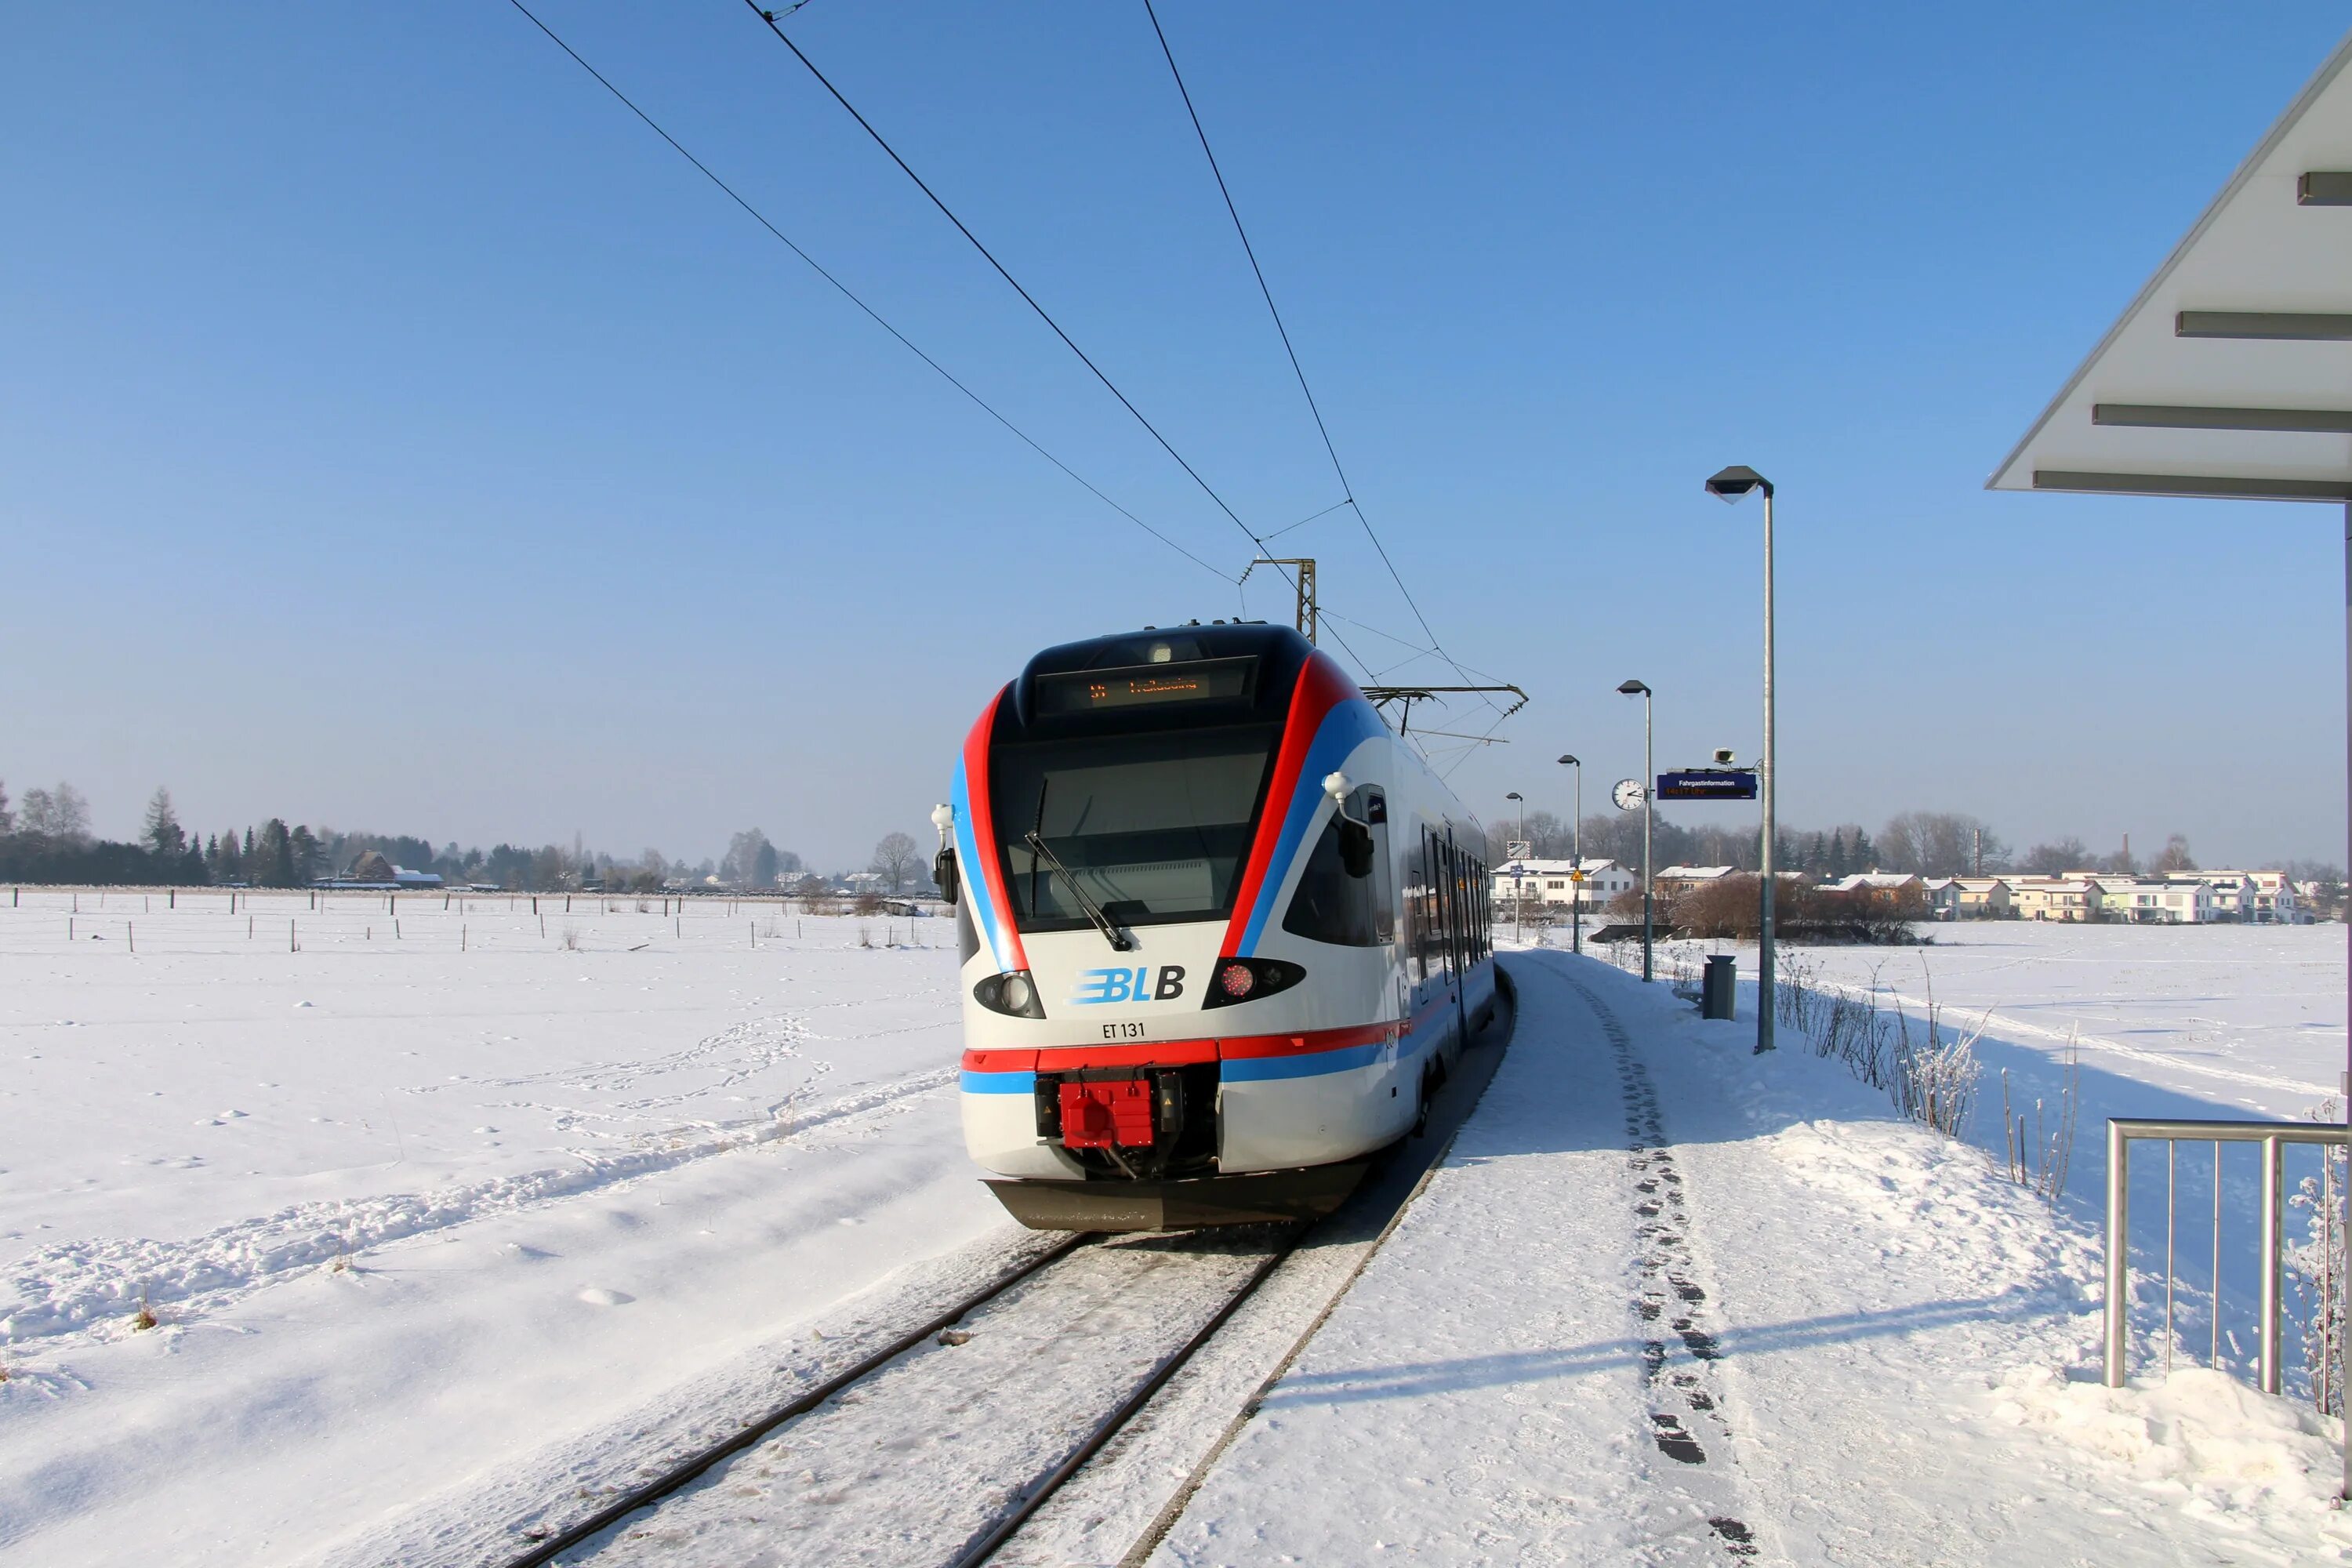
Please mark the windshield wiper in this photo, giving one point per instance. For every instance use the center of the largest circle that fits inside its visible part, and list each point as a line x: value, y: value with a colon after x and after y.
x: 1118, y: 939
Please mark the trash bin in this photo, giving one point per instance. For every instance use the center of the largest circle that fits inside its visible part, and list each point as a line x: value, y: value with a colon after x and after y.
x: 1719, y: 990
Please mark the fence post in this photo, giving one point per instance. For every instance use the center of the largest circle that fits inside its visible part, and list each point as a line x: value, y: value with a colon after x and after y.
x: 2273, y: 1226
x: 2118, y: 1249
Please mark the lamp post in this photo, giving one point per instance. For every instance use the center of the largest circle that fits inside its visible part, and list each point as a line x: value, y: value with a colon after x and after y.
x: 1649, y: 815
x: 1576, y: 876
x: 1518, y: 872
x: 1729, y: 486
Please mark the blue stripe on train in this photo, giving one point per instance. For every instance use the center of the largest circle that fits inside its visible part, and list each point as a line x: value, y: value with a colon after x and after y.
x: 979, y: 900
x: 998, y: 1082
x: 1260, y: 1069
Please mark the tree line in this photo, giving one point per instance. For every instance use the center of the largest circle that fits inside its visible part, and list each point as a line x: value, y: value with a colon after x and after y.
x: 45, y: 838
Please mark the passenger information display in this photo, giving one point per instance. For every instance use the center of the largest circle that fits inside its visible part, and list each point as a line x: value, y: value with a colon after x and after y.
x: 1144, y: 684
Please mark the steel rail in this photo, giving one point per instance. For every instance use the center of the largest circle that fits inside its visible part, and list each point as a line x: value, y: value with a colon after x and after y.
x: 686, y: 1470
x: 1042, y: 1490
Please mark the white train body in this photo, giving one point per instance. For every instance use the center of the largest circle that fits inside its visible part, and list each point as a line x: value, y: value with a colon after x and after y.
x: 1216, y: 918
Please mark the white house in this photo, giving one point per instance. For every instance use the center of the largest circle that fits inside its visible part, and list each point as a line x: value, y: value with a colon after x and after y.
x: 2155, y: 902
x: 2274, y: 900
x: 1944, y: 898
x: 1553, y: 882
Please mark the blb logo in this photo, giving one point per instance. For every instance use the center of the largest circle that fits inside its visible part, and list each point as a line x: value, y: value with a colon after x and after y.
x: 1098, y: 986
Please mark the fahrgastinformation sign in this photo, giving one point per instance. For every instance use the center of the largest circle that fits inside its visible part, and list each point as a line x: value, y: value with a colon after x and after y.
x: 1708, y: 783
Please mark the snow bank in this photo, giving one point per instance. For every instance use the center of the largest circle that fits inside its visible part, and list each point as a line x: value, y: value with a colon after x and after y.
x: 2203, y: 1439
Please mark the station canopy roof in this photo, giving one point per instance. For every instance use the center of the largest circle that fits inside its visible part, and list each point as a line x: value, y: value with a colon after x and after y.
x: 2231, y: 375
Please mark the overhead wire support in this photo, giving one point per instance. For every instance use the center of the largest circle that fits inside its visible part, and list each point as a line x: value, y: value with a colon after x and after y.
x: 851, y: 295
x: 1234, y: 211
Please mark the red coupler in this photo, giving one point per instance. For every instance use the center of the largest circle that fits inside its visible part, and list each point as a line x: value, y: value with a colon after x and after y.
x: 1098, y: 1115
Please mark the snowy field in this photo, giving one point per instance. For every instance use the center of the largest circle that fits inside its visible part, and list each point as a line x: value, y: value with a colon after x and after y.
x: 405, y: 1205
x: 433, y: 1218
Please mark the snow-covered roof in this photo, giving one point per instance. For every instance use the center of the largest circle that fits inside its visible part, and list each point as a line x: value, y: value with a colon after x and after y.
x: 1695, y: 873
x: 1876, y: 879
x: 1551, y: 867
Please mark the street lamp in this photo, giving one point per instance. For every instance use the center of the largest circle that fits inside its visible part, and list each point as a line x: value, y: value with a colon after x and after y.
x: 1649, y: 812
x: 1576, y: 878
x: 1518, y: 874
x: 1729, y: 486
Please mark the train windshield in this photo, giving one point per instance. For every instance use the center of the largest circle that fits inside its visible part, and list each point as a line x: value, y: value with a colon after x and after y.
x: 1153, y: 827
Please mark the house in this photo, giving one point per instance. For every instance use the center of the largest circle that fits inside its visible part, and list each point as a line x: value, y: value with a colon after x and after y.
x: 1675, y: 879
x: 1887, y: 887
x: 1552, y: 882
x: 2274, y: 898
x: 1944, y: 898
x: 1986, y: 898
x: 2141, y: 900
x: 370, y: 867
x: 2071, y: 898
x: 2233, y: 894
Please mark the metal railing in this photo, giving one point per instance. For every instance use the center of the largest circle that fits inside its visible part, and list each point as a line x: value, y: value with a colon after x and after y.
x: 2272, y: 1137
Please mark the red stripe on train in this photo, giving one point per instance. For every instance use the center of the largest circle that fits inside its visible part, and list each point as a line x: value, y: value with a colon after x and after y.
x: 983, y: 828
x: 1181, y: 1053
x: 1322, y: 685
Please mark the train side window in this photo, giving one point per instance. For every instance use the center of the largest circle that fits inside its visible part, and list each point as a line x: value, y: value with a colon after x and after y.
x: 1416, y: 915
x: 1329, y: 905
x: 967, y: 933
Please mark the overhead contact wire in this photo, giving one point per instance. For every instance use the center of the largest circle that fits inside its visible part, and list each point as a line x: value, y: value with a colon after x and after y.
x: 1297, y: 370
x: 879, y: 140
x: 851, y: 295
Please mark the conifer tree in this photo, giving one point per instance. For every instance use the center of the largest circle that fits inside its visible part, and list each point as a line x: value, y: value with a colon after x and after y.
x: 163, y: 833
x: 1837, y: 861
x: 1865, y: 855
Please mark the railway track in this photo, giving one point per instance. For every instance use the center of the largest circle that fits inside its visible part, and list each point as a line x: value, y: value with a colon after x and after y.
x: 941, y: 1445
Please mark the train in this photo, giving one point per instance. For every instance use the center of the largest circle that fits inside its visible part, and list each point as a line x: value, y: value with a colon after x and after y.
x: 1223, y: 931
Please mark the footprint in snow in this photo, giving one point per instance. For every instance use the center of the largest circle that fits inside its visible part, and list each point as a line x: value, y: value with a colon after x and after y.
x: 597, y: 1296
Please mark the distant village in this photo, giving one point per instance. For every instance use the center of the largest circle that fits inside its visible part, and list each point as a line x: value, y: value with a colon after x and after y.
x: 1553, y: 889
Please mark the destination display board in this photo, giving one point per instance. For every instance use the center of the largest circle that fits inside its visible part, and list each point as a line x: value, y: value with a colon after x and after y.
x: 1708, y: 783
x: 1145, y: 686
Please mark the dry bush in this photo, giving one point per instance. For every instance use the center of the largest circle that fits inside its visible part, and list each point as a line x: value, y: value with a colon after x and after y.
x: 571, y: 939
x: 866, y: 904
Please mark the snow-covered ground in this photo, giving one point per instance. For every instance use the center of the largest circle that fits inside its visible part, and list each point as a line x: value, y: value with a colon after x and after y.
x: 443, y: 1225
x: 405, y: 1207
x: 1668, y: 1301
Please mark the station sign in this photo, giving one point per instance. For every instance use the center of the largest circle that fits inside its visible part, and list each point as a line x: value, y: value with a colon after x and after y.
x: 1708, y: 783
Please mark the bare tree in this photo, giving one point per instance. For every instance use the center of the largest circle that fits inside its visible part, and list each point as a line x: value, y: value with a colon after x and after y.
x: 7, y: 818
x: 60, y: 814
x: 1939, y: 844
x: 2067, y: 854
x: 896, y: 859
x: 740, y: 867
x: 2176, y: 855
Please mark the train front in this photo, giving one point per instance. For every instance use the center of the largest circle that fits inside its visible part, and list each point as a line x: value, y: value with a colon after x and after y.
x: 1180, y: 987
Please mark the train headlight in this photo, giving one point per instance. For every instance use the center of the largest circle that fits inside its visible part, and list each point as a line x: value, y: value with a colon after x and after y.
x: 1248, y: 979
x: 1013, y: 994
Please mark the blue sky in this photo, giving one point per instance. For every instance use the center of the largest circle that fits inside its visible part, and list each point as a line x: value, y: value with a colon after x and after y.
x: 394, y: 434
